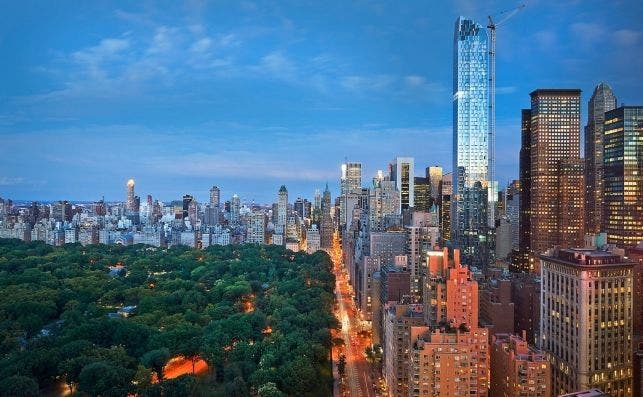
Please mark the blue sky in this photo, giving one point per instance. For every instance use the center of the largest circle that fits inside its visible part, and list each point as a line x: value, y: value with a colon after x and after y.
x: 251, y: 95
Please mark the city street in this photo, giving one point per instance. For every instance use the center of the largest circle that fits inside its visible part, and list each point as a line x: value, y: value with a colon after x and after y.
x: 357, y: 375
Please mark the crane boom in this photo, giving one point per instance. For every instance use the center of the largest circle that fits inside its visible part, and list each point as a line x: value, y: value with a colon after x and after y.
x: 491, y: 140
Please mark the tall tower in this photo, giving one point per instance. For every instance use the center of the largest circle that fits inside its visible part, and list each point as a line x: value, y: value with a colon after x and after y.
x: 434, y: 176
x: 402, y: 173
x: 215, y: 197
x: 282, y: 208
x: 351, y: 180
x: 326, y: 221
x: 555, y: 142
x: 524, y: 262
x: 235, y: 208
x: 623, y: 176
x: 130, y: 204
x: 602, y: 100
x: 470, y: 209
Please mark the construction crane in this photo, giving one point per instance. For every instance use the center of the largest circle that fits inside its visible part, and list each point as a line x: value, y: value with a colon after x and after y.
x: 491, y: 141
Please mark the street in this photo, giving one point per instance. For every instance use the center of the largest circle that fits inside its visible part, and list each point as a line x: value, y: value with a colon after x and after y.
x: 357, y: 374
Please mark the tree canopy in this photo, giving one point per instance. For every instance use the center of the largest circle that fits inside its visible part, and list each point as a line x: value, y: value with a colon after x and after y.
x: 259, y: 316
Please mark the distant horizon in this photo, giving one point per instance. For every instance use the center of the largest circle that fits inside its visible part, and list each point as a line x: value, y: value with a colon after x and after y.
x: 254, y: 95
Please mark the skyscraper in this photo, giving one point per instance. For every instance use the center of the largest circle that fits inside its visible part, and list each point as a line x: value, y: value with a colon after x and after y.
x: 402, y: 174
x: 555, y: 141
x: 446, y: 192
x: 602, y: 100
x: 282, y: 209
x: 326, y: 232
x: 215, y: 196
x: 422, y: 200
x: 524, y: 261
x: 434, y: 178
x: 586, y: 320
x: 130, y: 204
x: 470, y: 147
x: 351, y: 180
x: 235, y: 208
x: 623, y: 176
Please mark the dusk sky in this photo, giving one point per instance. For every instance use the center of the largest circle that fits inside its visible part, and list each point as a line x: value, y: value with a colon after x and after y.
x: 251, y: 95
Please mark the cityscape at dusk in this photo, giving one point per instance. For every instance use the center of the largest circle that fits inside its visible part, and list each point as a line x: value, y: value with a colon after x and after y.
x: 369, y: 198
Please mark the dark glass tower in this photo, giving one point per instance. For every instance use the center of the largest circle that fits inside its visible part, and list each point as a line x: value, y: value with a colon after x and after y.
x: 602, y: 100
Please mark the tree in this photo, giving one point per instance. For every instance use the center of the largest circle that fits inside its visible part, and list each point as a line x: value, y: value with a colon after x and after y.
x: 341, y: 365
x: 105, y: 379
x: 22, y: 386
x: 269, y: 390
x: 156, y: 360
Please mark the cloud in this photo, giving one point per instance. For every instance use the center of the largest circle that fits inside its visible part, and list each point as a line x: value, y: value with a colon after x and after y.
x: 545, y: 39
x: 11, y: 181
x: 626, y: 37
x: 587, y: 33
x: 277, y: 65
x: 363, y: 84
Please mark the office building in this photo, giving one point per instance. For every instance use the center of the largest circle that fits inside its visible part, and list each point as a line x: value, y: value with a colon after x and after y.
x: 422, y: 194
x: 129, y: 203
x: 351, y: 180
x: 402, y: 173
x: 602, y: 100
x: 586, y: 320
x: 525, y: 260
x: 313, y: 239
x: 327, y: 227
x: 446, y: 192
x: 434, y: 178
x: 623, y: 176
x: 555, y: 154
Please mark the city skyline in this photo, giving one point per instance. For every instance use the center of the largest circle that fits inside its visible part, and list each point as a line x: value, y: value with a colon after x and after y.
x: 167, y: 100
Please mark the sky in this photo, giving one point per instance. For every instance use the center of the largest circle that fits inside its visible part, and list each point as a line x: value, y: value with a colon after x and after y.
x: 250, y: 95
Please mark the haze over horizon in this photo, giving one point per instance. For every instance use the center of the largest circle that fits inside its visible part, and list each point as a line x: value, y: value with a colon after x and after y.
x: 252, y: 95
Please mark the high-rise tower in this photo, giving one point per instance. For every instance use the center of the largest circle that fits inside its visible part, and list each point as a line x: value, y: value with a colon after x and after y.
x: 623, y: 176
x: 470, y: 143
x: 402, y: 174
x: 326, y: 221
x: 555, y: 153
x: 130, y: 204
x: 282, y: 208
x: 602, y: 100
x: 351, y: 180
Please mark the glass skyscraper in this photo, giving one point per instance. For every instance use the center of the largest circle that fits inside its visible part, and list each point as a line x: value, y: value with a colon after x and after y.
x: 470, y: 142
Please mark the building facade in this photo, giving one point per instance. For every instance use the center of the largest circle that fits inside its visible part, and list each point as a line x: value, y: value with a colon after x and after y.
x: 623, y: 176
x: 586, y: 320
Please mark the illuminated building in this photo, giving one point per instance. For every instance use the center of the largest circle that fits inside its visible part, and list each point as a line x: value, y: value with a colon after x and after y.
x: 327, y: 228
x: 256, y: 228
x: 402, y: 173
x: 602, y: 100
x: 517, y: 369
x: 313, y: 239
x: 129, y: 203
x: 282, y: 209
x: 586, y: 320
x: 555, y: 153
x: 448, y: 362
x: 383, y: 202
x: 235, y: 208
x: 351, y: 180
x: 525, y: 261
x: 397, y: 323
x: 434, y: 178
x: 623, y: 176
x: 422, y: 194
x: 470, y: 215
x: 446, y: 192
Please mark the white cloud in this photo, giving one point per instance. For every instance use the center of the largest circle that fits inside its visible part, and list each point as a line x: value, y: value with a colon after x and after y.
x: 627, y: 37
